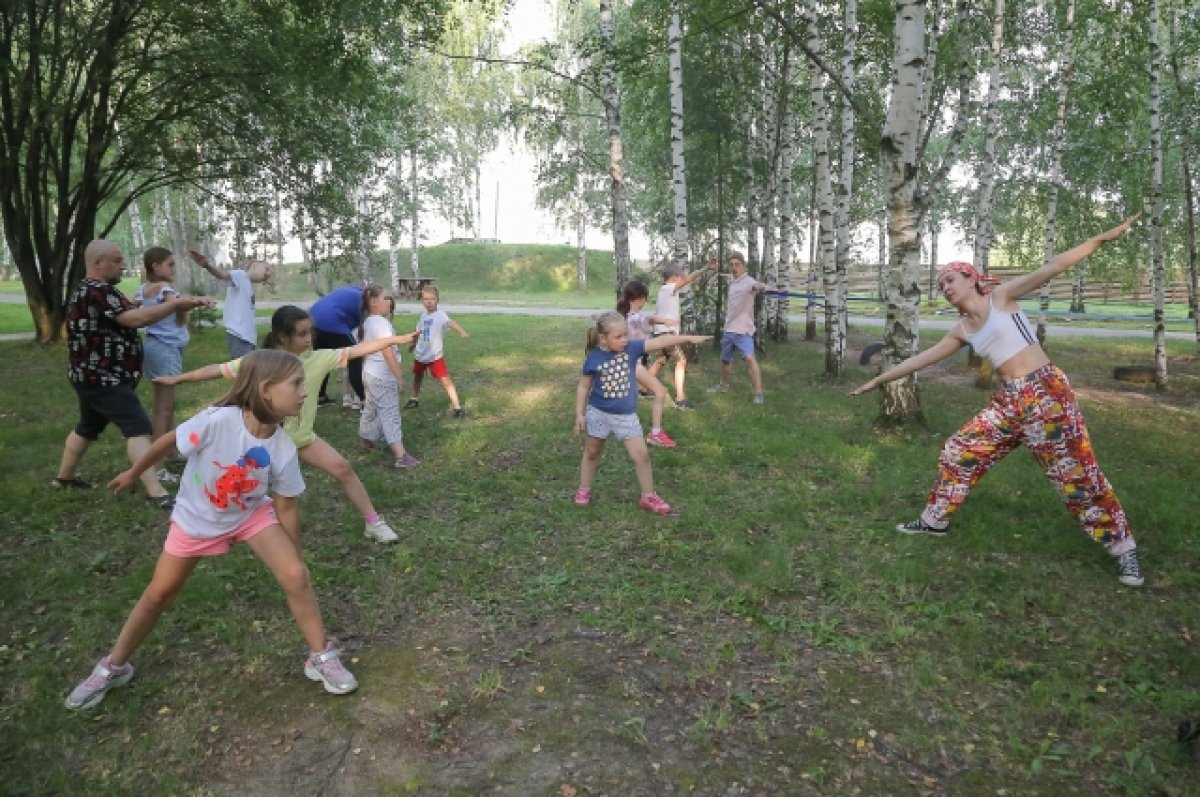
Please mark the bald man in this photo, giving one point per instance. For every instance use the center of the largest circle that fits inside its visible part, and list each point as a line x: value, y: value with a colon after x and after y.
x: 106, y: 364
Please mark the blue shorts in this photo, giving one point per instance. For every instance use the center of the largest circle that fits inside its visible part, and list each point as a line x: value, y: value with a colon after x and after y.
x: 162, y: 359
x: 237, y: 346
x: 735, y: 340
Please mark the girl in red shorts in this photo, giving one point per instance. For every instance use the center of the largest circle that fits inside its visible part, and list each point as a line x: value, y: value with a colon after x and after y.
x: 237, y: 453
x: 1034, y: 407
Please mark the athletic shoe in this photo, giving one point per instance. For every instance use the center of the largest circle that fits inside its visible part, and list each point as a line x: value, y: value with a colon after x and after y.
x: 919, y: 526
x: 459, y: 413
x: 351, y: 402
x: 407, y: 461
x: 1129, y: 569
x: 660, y: 439
x: 719, y: 388
x: 684, y: 404
x: 645, y: 394
x: 380, y: 531
x: 411, y: 404
x: 166, y: 502
x: 652, y: 503
x: 165, y: 476
x: 93, y: 690
x: 583, y: 497
x: 327, y: 668
x: 324, y: 401
x: 758, y: 398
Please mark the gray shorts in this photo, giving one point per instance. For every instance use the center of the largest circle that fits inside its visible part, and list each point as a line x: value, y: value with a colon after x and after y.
x: 601, y: 424
x: 162, y: 359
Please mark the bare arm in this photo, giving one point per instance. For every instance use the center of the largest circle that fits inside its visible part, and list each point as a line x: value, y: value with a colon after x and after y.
x: 935, y: 353
x: 454, y: 325
x: 198, y: 375
x: 1026, y: 283
x: 581, y: 395
x: 667, y: 341
x: 143, y: 316
x: 158, y: 449
x: 366, y: 347
x: 287, y: 511
x: 687, y: 279
x: 202, y: 262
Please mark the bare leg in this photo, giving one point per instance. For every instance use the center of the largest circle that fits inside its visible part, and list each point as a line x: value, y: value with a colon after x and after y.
x: 680, y: 376
x: 755, y: 373
x: 418, y: 377
x: 273, y: 546
x: 647, y: 380
x: 451, y: 393
x: 162, y: 416
x: 636, y: 446
x: 135, y: 447
x: 321, y: 455
x: 73, y: 452
x: 593, y: 448
x: 170, y: 574
x: 726, y: 367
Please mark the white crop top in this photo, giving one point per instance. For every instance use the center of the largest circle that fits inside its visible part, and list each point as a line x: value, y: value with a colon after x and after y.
x: 1001, y: 336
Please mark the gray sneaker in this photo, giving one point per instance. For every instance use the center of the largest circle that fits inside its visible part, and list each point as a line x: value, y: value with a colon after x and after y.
x: 380, y: 531
x: 1129, y: 569
x: 327, y: 668
x: 96, y: 686
x: 719, y: 388
x: 919, y: 526
x: 758, y: 398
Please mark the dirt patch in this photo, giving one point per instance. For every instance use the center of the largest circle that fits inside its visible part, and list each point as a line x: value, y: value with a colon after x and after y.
x: 562, y: 709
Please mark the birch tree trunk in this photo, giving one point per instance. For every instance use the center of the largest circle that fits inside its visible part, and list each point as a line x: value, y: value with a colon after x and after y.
x: 5, y: 260
x: 899, y: 400
x: 278, y: 231
x: 616, y: 147
x: 679, y: 248
x: 581, y: 246
x: 845, y: 188
x: 1189, y: 186
x: 414, y: 204
x: 825, y: 207
x: 1056, y: 155
x: 985, y: 229
x: 810, y: 305
x: 748, y: 164
x: 1157, y: 271
x: 932, y: 230
x: 780, y: 306
x: 137, y: 232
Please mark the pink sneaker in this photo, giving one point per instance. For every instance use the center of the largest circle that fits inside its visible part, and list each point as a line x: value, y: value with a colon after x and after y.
x: 660, y: 439
x: 652, y: 503
x: 583, y: 497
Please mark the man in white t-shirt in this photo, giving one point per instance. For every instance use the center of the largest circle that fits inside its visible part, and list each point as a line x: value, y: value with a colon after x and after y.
x: 739, y: 326
x: 241, y: 326
x: 666, y: 305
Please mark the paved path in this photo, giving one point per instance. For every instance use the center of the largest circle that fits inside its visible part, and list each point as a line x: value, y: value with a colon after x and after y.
x: 927, y: 322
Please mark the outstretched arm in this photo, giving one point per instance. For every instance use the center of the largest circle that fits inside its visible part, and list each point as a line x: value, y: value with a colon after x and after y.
x: 144, y: 316
x: 202, y: 262
x: 935, y: 353
x: 667, y: 341
x: 158, y: 449
x: 379, y: 344
x: 462, y: 333
x: 1026, y: 283
x: 199, y: 375
x: 687, y: 278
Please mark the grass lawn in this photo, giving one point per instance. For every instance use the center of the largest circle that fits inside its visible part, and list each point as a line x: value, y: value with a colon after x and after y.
x: 773, y: 636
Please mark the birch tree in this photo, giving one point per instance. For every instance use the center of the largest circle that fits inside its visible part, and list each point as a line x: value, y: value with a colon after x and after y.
x: 616, y: 147
x: 679, y: 249
x: 1157, y: 274
x: 985, y: 228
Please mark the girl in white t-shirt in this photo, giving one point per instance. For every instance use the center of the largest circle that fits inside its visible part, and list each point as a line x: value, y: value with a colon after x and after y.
x: 236, y: 453
x: 382, y: 378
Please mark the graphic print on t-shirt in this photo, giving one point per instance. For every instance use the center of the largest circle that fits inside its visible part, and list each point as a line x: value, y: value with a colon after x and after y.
x: 614, y: 376
x: 235, y: 481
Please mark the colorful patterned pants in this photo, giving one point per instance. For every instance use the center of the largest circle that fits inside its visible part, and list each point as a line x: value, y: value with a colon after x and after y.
x: 1039, y: 411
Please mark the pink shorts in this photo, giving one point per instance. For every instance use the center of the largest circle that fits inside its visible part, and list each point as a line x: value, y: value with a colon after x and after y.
x: 437, y: 368
x: 180, y: 543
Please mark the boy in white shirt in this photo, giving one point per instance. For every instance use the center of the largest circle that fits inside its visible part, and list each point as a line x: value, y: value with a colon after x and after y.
x: 666, y: 305
x: 429, y: 349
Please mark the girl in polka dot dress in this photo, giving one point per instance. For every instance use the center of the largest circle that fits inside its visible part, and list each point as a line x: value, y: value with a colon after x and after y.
x: 606, y: 400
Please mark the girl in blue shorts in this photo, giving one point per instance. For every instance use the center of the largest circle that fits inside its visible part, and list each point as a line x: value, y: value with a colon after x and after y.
x: 165, y: 342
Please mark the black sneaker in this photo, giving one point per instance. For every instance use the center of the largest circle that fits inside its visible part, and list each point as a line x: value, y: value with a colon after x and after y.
x: 919, y: 526
x: 1129, y: 569
x: 324, y: 401
x: 459, y: 413
x: 684, y: 404
x: 411, y: 404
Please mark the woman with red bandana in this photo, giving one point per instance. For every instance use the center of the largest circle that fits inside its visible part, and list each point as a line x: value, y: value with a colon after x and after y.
x: 1034, y: 407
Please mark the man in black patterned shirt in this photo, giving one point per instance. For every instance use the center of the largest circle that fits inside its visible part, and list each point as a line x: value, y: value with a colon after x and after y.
x: 106, y: 363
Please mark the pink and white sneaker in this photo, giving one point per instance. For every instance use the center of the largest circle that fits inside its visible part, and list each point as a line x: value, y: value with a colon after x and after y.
x: 660, y: 439
x: 583, y: 497
x: 652, y: 503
